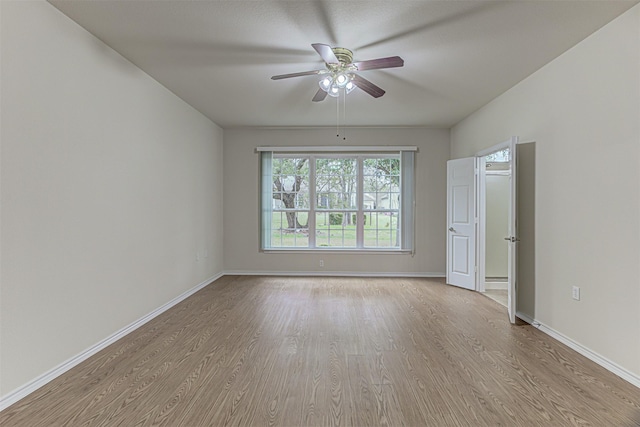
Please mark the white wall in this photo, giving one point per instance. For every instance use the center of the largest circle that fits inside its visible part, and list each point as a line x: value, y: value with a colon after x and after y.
x: 110, y: 184
x: 241, y: 202
x: 583, y: 111
x: 497, y: 197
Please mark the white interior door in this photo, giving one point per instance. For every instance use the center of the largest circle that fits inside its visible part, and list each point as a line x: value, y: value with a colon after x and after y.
x: 461, y: 222
x: 513, y: 236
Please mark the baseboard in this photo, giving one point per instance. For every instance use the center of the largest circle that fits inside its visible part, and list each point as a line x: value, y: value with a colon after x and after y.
x: 331, y: 273
x: 586, y: 352
x: 496, y: 285
x: 33, y: 385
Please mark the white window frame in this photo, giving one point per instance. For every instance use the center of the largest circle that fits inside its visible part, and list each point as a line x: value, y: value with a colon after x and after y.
x: 405, y: 211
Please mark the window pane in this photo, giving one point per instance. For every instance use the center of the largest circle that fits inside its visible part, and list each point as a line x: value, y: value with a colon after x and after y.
x: 392, y: 200
x: 302, y: 199
x: 291, y: 183
x: 290, y: 229
x: 384, y: 238
x: 290, y: 193
x: 381, y: 230
x: 322, y: 229
x: 276, y: 229
x: 502, y: 156
x: 382, y: 174
x: 370, y: 238
x: 336, y: 183
x: 336, y: 229
x: 336, y: 200
x: 322, y: 200
x: 369, y: 201
x: 303, y: 240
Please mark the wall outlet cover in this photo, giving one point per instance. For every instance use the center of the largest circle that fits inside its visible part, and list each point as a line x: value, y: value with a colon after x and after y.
x: 575, y: 293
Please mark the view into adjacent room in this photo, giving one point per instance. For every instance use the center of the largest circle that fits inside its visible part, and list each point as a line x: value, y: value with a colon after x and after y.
x: 497, y: 193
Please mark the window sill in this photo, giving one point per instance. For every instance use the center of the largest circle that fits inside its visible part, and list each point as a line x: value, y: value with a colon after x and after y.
x: 338, y: 251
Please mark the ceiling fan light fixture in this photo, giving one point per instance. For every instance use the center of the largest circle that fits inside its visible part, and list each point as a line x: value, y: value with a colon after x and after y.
x: 325, y: 83
x: 334, y: 90
x: 337, y: 81
x: 349, y: 87
x: 342, y: 79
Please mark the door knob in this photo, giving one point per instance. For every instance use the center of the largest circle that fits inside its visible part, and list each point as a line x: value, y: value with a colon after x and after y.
x: 451, y: 229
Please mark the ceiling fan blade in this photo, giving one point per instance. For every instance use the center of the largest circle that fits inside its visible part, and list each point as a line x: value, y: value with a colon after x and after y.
x: 367, y: 86
x: 325, y: 51
x: 303, y: 73
x: 319, y: 96
x: 373, y: 64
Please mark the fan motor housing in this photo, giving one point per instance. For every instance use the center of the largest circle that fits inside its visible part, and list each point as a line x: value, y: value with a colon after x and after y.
x: 345, y: 56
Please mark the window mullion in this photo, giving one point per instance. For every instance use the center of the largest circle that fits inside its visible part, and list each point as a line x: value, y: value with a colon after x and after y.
x: 311, y: 219
x: 360, y: 204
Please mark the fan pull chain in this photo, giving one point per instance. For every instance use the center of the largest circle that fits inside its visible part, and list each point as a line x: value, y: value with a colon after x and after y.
x: 344, y: 116
x: 338, y: 117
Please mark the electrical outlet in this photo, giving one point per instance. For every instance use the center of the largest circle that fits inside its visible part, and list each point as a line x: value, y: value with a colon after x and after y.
x: 321, y: 263
x: 575, y: 293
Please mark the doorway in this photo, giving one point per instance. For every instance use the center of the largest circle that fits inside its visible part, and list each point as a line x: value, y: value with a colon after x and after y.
x: 503, y: 153
x: 497, y: 198
x: 467, y: 222
x: 468, y: 245
x: 506, y: 226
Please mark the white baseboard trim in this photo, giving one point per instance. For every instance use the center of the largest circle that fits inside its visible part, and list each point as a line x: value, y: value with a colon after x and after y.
x: 36, y: 383
x: 331, y: 273
x: 496, y: 285
x: 586, y: 352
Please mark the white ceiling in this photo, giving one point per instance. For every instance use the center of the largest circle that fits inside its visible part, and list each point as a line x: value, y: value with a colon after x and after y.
x: 219, y: 55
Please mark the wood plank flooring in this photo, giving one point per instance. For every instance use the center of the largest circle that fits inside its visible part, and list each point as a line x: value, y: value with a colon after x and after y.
x: 296, y: 351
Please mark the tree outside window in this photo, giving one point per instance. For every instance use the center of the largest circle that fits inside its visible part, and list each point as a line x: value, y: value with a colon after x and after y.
x: 336, y: 201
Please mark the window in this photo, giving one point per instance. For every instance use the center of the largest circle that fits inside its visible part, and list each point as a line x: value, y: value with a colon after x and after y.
x: 347, y: 201
x: 502, y: 156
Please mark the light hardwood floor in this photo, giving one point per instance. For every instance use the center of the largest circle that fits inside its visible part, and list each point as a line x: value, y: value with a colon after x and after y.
x: 260, y: 351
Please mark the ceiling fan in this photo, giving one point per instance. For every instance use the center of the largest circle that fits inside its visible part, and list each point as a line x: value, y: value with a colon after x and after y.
x: 340, y: 73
